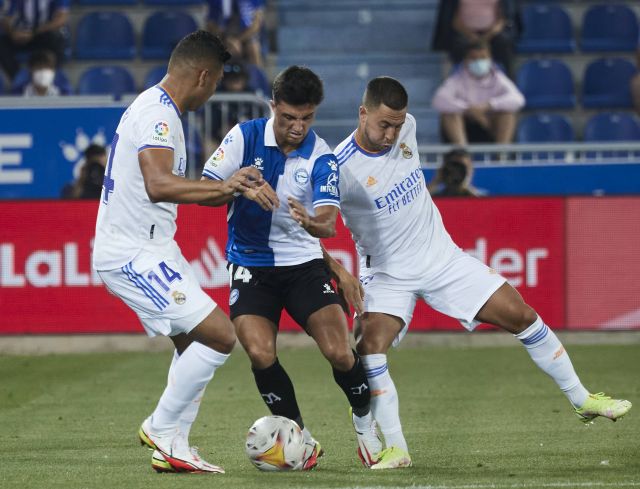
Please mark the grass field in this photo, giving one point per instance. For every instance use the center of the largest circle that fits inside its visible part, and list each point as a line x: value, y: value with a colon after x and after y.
x: 474, y: 418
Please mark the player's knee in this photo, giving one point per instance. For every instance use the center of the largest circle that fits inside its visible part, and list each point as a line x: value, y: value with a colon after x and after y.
x: 259, y: 356
x: 226, y: 340
x: 339, y: 358
x: 522, y: 316
x: 369, y: 345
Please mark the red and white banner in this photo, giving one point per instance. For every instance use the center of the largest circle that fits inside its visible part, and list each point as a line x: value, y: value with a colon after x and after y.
x: 555, y: 251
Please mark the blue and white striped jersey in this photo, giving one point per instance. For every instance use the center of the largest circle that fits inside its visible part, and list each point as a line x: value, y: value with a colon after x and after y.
x: 259, y: 238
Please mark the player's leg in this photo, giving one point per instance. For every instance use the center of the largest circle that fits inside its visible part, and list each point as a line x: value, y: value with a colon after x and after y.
x: 208, y: 346
x: 313, y: 303
x: 165, y: 294
x: 256, y: 305
x: 507, y: 309
x: 257, y: 335
x: 375, y: 333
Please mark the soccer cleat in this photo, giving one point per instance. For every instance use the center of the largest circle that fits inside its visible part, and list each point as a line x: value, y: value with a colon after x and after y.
x: 601, y: 405
x: 369, y: 443
x: 159, y: 464
x: 173, y: 454
x: 392, y: 458
x: 143, y: 435
x: 315, y: 452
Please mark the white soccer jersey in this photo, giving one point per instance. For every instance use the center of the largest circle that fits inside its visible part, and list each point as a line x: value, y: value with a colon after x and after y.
x: 385, y: 204
x: 127, y: 220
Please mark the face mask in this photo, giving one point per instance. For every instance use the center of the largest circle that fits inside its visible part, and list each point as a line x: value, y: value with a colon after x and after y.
x: 43, y: 78
x: 479, y: 67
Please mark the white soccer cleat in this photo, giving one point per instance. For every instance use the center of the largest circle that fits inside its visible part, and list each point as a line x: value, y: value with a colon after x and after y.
x: 172, y: 453
x: 369, y: 443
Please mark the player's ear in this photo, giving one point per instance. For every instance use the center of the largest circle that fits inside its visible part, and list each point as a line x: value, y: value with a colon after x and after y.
x: 202, y: 77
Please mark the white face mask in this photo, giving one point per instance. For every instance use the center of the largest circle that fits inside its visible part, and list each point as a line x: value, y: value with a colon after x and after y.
x: 43, y: 78
x: 479, y: 67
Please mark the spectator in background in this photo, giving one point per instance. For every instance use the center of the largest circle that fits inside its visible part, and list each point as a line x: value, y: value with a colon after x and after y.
x: 477, y: 102
x: 464, y: 22
x: 32, y: 25
x: 635, y: 83
x: 89, y: 183
x: 239, y: 24
x: 453, y: 178
x: 42, y: 77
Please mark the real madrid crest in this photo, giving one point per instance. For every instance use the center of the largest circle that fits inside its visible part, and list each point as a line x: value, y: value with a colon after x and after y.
x: 178, y: 297
x: 406, y: 151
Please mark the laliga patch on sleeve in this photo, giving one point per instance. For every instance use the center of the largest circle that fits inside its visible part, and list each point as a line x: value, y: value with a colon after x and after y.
x: 161, y: 132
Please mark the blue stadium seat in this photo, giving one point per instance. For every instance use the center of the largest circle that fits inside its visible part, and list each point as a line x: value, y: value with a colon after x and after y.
x: 544, y: 128
x: 612, y: 126
x: 609, y: 28
x: 105, y: 80
x: 22, y: 78
x: 546, y: 29
x: 105, y: 35
x: 162, y: 31
x: 606, y: 83
x: 546, y: 84
x: 154, y: 76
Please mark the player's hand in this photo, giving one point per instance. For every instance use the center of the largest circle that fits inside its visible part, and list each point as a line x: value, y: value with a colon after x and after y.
x: 299, y: 212
x: 351, y: 290
x: 264, y: 195
x: 244, y: 179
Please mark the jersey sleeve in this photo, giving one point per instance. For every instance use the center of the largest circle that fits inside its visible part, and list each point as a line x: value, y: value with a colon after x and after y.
x: 156, y: 127
x: 227, y: 159
x: 325, y: 181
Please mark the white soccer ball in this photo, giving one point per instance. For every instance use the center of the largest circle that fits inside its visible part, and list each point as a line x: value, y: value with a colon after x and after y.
x: 276, y: 443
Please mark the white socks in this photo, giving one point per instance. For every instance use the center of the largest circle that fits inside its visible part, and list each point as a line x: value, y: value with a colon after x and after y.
x: 384, y: 400
x: 191, y: 411
x: 189, y: 375
x: 547, y: 352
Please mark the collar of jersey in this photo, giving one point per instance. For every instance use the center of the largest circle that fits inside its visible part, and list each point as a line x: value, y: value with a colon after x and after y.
x: 369, y: 153
x: 305, y: 150
x: 175, y: 106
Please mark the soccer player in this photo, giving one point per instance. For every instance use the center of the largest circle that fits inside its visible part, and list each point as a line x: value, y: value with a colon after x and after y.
x: 135, y: 253
x: 405, y: 253
x: 275, y: 258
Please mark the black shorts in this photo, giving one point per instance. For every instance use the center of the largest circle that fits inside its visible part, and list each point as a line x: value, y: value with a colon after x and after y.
x: 264, y: 291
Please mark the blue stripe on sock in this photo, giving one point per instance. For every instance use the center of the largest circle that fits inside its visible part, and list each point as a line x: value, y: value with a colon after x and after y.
x: 537, y: 336
x: 375, y: 372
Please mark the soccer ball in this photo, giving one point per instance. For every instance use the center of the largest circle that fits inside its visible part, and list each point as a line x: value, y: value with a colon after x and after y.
x: 276, y: 443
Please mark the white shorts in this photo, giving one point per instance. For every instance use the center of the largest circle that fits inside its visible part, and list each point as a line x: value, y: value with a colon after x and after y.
x: 162, y: 289
x: 458, y: 289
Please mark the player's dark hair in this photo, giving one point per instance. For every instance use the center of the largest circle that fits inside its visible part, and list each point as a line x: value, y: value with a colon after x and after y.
x: 385, y: 90
x: 199, y: 46
x: 298, y: 85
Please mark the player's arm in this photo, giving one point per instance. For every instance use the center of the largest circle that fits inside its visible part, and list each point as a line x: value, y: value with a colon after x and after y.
x: 162, y: 185
x: 322, y: 225
x: 349, y: 287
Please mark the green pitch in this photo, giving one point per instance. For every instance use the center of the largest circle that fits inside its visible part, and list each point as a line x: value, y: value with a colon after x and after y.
x: 474, y: 419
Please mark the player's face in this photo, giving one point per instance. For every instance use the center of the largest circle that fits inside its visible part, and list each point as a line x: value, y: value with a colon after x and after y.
x: 380, y: 127
x: 291, y: 123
